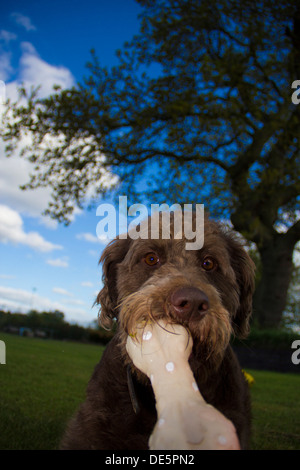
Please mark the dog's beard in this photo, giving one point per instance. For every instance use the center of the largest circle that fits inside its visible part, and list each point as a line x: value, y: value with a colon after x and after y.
x: 210, y: 334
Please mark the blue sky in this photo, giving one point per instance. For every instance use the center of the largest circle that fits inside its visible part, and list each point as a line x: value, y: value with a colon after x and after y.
x: 44, y: 265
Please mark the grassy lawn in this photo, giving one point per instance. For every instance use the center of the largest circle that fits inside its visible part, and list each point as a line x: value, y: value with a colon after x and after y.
x: 43, y: 382
x: 41, y: 385
x: 276, y: 411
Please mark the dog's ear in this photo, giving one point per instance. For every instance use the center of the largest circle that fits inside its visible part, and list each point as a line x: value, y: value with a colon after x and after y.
x: 107, y: 298
x: 244, y: 269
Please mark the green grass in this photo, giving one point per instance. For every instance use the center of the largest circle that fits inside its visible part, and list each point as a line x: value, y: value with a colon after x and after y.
x: 276, y: 411
x: 41, y: 385
x: 43, y: 382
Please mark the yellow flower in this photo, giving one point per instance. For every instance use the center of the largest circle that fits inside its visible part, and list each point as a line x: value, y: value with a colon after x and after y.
x: 249, y: 378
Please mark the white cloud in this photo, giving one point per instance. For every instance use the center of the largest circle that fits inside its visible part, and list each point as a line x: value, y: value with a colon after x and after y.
x: 73, y: 302
x: 58, y: 262
x: 69, y: 296
x: 20, y: 300
x: 17, y: 296
x: 89, y: 237
x: 14, y: 173
x: 59, y: 290
x: 7, y: 36
x: 12, y: 231
x: 35, y: 71
x: 93, y: 253
x: 6, y: 68
x: 24, y: 21
x: 15, y: 170
x: 87, y: 284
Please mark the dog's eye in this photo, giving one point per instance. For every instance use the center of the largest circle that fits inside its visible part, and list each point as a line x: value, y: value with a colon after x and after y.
x: 151, y: 259
x: 209, y: 264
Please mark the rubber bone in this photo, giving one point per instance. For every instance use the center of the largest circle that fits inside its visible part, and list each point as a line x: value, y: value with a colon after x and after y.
x: 185, y: 421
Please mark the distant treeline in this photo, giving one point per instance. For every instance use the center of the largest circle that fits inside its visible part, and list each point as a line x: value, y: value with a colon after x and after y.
x: 51, y: 325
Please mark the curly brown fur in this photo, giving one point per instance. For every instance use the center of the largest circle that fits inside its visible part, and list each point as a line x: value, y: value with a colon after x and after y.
x: 134, y: 292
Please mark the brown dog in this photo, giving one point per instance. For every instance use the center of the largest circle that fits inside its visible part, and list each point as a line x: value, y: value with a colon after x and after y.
x: 209, y: 291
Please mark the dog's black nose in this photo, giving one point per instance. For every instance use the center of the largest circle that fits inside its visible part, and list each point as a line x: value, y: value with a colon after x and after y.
x: 189, y: 301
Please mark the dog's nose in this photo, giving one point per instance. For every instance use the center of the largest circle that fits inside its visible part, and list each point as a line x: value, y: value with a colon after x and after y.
x: 189, y: 301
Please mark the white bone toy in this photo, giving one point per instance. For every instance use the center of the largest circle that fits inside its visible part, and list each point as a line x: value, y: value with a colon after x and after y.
x: 185, y: 421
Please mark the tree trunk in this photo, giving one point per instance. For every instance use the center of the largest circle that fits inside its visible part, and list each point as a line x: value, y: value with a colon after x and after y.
x: 271, y: 293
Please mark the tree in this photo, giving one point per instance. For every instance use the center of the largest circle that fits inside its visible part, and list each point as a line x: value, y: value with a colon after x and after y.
x: 199, y: 109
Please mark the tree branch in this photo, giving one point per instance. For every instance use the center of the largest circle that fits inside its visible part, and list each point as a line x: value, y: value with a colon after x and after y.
x: 260, y: 138
x: 153, y: 152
